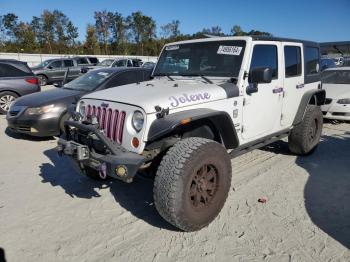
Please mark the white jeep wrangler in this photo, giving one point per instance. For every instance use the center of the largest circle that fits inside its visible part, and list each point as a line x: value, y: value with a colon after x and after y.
x: 209, y: 100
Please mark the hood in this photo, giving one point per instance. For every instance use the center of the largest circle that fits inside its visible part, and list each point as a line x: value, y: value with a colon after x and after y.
x: 54, y: 96
x: 36, y: 68
x: 162, y: 92
x: 336, y: 90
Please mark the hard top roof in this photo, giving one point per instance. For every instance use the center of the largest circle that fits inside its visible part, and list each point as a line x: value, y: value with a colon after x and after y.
x: 254, y: 38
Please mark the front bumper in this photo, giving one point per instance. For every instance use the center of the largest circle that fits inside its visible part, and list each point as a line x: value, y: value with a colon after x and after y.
x: 118, y: 158
x: 336, y: 111
x: 39, y: 126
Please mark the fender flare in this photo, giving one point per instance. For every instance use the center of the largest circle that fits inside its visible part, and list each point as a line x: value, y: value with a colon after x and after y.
x: 173, y: 124
x: 314, y: 97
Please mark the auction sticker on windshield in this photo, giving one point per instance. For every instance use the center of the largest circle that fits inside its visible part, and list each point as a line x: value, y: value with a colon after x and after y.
x: 229, y: 50
x: 172, y: 47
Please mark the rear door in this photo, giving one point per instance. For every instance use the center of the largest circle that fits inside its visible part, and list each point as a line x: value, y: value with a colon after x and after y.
x: 293, y: 81
x: 68, y: 64
x: 262, y: 110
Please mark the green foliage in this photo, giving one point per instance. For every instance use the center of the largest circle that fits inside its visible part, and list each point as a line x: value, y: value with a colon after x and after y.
x: 111, y: 33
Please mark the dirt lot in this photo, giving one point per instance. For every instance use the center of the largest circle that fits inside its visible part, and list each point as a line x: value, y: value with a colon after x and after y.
x: 50, y: 213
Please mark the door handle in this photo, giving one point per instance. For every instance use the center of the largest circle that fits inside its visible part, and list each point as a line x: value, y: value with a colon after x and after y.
x: 277, y: 90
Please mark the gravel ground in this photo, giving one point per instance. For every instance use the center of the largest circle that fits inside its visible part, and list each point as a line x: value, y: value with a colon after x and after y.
x: 50, y: 213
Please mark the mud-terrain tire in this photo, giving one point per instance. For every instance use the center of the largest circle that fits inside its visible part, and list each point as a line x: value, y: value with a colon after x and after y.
x: 305, y: 137
x: 192, y: 183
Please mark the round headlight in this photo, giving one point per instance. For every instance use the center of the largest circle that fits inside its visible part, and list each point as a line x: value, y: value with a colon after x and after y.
x: 137, y: 121
x: 82, y: 109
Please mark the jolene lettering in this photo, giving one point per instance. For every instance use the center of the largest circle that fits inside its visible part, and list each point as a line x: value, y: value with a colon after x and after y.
x: 185, y: 98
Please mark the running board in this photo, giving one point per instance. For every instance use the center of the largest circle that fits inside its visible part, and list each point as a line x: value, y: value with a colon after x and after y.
x: 258, y: 143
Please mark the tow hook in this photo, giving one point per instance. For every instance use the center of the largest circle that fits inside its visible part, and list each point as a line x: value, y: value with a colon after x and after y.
x: 103, y: 171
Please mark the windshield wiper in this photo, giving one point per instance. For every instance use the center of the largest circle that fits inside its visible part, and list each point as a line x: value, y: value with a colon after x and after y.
x: 167, y: 75
x: 202, y: 76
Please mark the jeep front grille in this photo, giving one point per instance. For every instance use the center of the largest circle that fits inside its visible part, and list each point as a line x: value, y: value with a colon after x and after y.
x: 110, y: 121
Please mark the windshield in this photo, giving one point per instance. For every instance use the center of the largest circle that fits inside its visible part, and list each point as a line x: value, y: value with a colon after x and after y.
x: 219, y: 58
x: 88, y: 82
x: 106, y: 62
x: 45, y: 63
x: 336, y: 77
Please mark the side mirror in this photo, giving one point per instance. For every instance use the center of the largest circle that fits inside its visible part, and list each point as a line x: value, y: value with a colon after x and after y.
x: 84, y: 70
x: 260, y: 75
x: 50, y: 67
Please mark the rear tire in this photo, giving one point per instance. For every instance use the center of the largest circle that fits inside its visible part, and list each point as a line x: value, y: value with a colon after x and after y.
x: 6, y: 99
x: 305, y: 137
x: 192, y: 183
x: 43, y: 81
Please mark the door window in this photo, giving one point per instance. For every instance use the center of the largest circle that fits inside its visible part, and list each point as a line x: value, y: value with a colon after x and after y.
x: 292, y: 59
x: 56, y: 64
x: 265, y: 56
x: 68, y: 63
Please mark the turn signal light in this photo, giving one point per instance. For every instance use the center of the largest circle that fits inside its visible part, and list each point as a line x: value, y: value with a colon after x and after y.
x: 135, y: 142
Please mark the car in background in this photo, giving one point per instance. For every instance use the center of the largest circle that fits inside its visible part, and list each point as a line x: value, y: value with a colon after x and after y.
x: 106, y: 63
x: 336, y: 82
x: 53, y: 70
x: 93, y: 60
x: 16, y: 79
x: 327, y: 63
x: 123, y: 62
x: 43, y: 114
x: 149, y: 65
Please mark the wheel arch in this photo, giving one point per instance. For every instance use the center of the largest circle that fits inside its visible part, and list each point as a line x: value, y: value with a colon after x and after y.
x: 185, y: 122
x: 9, y: 90
x: 311, y: 97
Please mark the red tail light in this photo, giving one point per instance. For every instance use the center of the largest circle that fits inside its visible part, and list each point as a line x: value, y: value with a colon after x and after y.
x: 32, y: 80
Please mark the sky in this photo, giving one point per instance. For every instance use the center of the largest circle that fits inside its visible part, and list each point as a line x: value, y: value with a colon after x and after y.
x: 314, y: 20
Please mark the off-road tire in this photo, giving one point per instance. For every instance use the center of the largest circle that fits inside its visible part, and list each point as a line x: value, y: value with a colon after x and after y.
x: 305, y: 137
x: 6, y: 96
x: 180, y: 170
x: 43, y: 80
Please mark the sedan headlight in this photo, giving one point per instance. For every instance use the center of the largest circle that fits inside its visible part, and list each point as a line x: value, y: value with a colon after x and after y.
x: 137, y: 121
x: 39, y: 110
x: 344, y: 101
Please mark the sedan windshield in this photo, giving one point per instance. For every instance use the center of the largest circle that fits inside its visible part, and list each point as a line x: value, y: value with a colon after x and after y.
x: 88, y: 82
x: 212, y: 58
x: 336, y: 77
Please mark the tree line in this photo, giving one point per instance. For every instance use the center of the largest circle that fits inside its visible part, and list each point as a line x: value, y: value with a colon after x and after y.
x: 110, y: 34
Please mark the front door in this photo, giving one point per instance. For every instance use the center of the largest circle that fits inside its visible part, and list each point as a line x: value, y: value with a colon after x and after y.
x: 262, y: 110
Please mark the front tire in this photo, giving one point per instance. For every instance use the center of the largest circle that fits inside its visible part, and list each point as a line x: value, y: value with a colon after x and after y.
x: 6, y: 99
x: 192, y: 183
x: 305, y: 137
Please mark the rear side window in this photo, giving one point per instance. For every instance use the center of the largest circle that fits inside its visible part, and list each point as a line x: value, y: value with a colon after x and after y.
x: 82, y: 61
x: 120, y: 63
x: 292, y: 59
x: 312, y: 57
x: 14, y: 70
x: 93, y: 60
x: 265, y: 56
x: 68, y: 63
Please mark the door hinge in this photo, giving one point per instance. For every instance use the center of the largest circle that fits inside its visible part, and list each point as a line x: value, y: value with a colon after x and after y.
x: 244, y: 101
x: 284, y: 94
x: 243, y: 129
x: 282, y: 116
